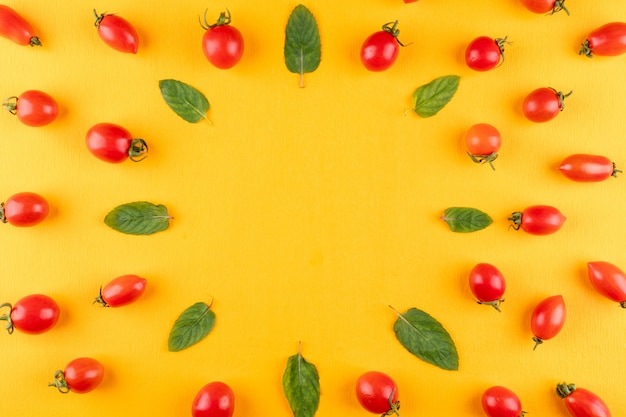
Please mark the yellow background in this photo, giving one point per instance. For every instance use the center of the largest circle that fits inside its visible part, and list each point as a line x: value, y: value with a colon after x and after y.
x: 304, y: 213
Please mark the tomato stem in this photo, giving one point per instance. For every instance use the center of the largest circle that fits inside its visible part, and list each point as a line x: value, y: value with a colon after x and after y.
x: 138, y: 150
x: 392, y: 29
x: 393, y: 406
x: 516, y: 218
x: 495, y: 303
x: 99, y: 17
x: 9, y: 327
x: 223, y: 20
x: 60, y: 383
x: 10, y: 104
x: 585, y: 49
x: 481, y: 159
x: 615, y: 172
x: 501, y: 42
x: 562, y: 98
x: 537, y: 341
x: 100, y: 300
x: 563, y: 390
x: 558, y: 6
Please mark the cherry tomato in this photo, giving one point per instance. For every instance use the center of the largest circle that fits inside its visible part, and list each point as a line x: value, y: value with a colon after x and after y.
x: 112, y: 143
x: 24, y: 209
x: 380, y: 50
x: 607, y: 40
x: 581, y: 402
x: 215, y: 399
x: 117, y: 32
x: 545, y: 6
x: 588, y: 168
x: 543, y: 104
x: 222, y: 43
x: 33, y: 108
x: 483, y: 143
x: 484, y: 53
x: 608, y: 280
x: 377, y: 393
x: 121, y: 291
x: 547, y: 319
x: 487, y: 284
x: 33, y: 314
x: 499, y: 401
x: 81, y: 375
x: 16, y: 28
x: 538, y: 220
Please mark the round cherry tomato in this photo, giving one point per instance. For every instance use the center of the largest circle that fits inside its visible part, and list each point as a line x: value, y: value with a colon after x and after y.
x: 608, y: 280
x: 484, y: 53
x: 24, y: 209
x: 222, y: 43
x: 588, y: 168
x: 121, y: 291
x: 380, y: 50
x: 547, y: 319
x: 581, y: 402
x: 81, y: 375
x: 607, y: 40
x: 117, y: 32
x: 545, y: 6
x: 499, y: 401
x: 215, y: 399
x: 112, y: 143
x: 543, y: 104
x: 16, y: 28
x: 487, y: 284
x: 483, y: 143
x: 377, y: 393
x: 33, y: 108
x: 33, y: 314
x: 538, y: 220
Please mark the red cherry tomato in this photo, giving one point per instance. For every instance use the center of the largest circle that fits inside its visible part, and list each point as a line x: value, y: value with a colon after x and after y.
x: 222, y: 43
x: 33, y: 108
x: 16, y: 28
x: 483, y: 143
x: 377, y: 393
x: 121, y: 291
x: 538, y: 220
x: 547, y: 319
x: 117, y: 32
x: 543, y: 104
x: 581, y: 402
x: 588, y: 168
x: 33, y: 314
x: 607, y: 40
x: 80, y: 376
x: 545, y: 6
x: 215, y: 399
x: 24, y: 209
x: 380, y: 50
x: 112, y: 143
x: 608, y: 280
x: 499, y: 401
x: 487, y: 284
x: 485, y: 53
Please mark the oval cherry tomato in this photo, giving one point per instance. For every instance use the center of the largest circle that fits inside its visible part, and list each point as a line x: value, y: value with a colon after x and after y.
x: 24, y: 209
x: 545, y: 6
x: 484, y: 53
x: 487, y: 284
x: 33, y: 314
x: 588, y: 168
x: 608, y: 280
x: 222, y: 43
x: 81, y: 375
x: 547, y: 319
x: 377, y: 393
x: 581, y: 402
x: 483, y: 143
x: 607, y: 40
x: 16, y: 28
x: 117, y: 32
x: 215, y: 399
x: 380, y: 50
x: 538, y: 220
x: 543, y: 104
x: 112, y: 143
x: 121, y: 291
x: 499, y: 401
x: 33, y: 108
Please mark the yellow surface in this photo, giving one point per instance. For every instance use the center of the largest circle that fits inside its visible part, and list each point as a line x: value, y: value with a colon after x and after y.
x: 304, y: 213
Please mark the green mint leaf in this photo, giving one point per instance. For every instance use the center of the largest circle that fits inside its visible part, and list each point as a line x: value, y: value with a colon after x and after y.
x: 187, y: 102
x: 138, y: 218
x: 302, y: 42
x: 432, y: 97
x: 193, y: 325
x: 301, y: 386
x: 426, y: 338
x: 466, y: 219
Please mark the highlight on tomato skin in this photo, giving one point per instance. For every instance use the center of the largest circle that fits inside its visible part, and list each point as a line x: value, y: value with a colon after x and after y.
x: 588, y: 168
x: 608, y: 280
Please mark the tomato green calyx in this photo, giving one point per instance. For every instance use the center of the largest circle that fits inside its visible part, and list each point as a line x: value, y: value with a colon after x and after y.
x: 99, y: 17
x: 558, y: 6
x: 60, y: 383
x: 495, y: 304
x: 537, y: 341
x: 481, y: 159
x: 392, y: 29
x: 563, y: 390
x: 501, y: 42
x: 9, y: 327
x: 393, y: 406
x: 100, y: 300
x: 516, y: 218
x: 615, y: 170
x: 562, y: 98
x: 138, y: 150
x: 223, y: 20
x: 10, y: 104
